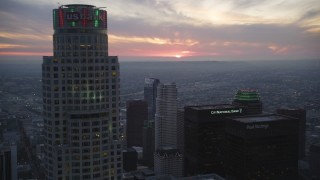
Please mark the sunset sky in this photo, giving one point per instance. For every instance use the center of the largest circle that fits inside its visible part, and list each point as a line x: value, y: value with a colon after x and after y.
x: 177, y: 29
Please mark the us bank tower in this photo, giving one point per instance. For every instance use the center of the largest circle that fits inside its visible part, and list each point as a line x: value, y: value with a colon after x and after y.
x: 81, y: 98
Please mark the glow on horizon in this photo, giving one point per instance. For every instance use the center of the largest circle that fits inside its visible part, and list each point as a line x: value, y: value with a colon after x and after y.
x: 238, y: 29
x: 151, y: 40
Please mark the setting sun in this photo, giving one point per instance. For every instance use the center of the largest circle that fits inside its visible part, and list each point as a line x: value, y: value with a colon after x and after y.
x: 178, y: 56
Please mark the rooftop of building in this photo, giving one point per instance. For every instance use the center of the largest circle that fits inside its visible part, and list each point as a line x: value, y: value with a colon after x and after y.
x: 169, y: 84
x: 161, y: 177
x: 247, y: 95
x: 315, y: 148
x: 151, y: 80
x: 130, y: 149
x: 168, y: 151
x: 139, y: 174
x: 78, y: 5
x: 212, y: 107
x: 259, y: 118
x: 151, y: 176
x: 203, y: 177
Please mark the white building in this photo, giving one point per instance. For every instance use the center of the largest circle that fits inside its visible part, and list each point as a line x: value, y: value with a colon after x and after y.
x: 166, y: 116
x: 167, y: 158
x: 81, y: 98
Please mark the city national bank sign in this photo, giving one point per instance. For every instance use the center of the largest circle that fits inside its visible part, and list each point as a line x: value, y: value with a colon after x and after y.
x: 229, y: 111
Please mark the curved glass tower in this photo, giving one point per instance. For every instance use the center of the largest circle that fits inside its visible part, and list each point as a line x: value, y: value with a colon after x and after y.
x: 81, y: 98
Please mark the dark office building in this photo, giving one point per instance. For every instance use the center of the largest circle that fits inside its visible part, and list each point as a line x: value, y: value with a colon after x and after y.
x: 5, y: 168
x: 8, y: 162
x: 137, y: 114
x: 2, y: 128
x: 249, y: 101
x: 148, y: 144
x: 314, y: 156
x: 262, y: 147
x: 180, y: 129
x: 205, y: 138
x: 301, y: 115
x: 130, y: 159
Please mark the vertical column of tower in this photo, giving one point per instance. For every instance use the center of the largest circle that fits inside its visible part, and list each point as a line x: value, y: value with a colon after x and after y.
x: 167, y: 158
x: 81, y: 98
x: 166, y: 116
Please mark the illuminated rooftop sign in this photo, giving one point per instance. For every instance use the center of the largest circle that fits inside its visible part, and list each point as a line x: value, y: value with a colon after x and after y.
x: 79, y: 16
x: 76, y: 16
x: 229, y: 111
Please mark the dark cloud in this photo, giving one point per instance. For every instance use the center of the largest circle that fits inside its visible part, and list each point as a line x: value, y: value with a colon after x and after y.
x: 24, y: 18
x: 310, y: 15
x: 246, y: 3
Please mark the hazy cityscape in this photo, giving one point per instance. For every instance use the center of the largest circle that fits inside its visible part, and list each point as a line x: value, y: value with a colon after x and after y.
x: 160, y: 90
x: 280, y: 84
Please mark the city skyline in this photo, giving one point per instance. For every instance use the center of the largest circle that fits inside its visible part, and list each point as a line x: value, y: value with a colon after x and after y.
x: 176, y: 30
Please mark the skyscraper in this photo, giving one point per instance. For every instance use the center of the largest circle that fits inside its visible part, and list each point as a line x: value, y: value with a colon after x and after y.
x: 204, y: 146
x: 8, y: 161
x: 314, y: 156
x: 166, y: 116
x: 137, y: 115
x: 81, y: 98
x: 249, y: 101
x: 148, y: 144
x: 262, y: 147
x: 130, y: 159
x: 167, y: 158
x: 180, y: 129
x: 150, y: 95
x: 301, y: 115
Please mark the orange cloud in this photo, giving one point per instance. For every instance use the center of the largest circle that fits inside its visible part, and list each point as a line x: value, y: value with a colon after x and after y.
x: 277, y: 49
x: 26, y: 53
x: 151, y: 40
x: 20, y: 36
x: 7, y: 46
x: 236, y: 43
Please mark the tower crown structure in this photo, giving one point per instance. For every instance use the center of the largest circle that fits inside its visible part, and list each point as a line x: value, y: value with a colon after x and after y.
x: 249, y: 100
x: 79, y: 16
x: 81, y: 98
x: 247, y: 95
